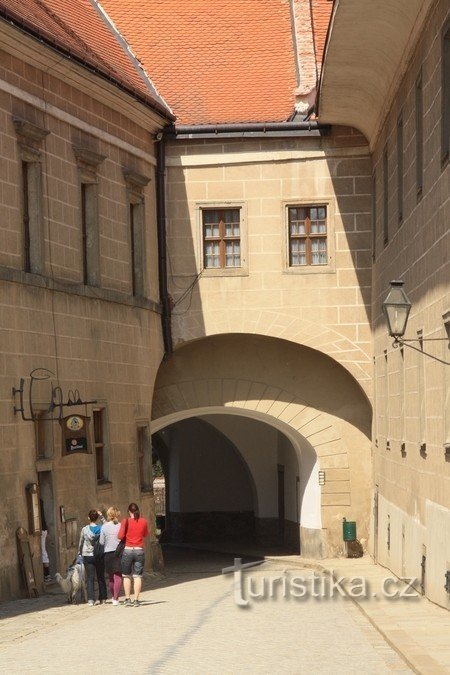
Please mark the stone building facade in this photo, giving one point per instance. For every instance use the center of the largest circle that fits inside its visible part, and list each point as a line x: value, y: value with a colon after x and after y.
x: 324, y: 312
x: 281, y: 407
x: 274, y: 346
x: 79, y: 298
x: 408, y: 132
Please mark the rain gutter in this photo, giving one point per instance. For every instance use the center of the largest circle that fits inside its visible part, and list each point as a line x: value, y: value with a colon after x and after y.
x: 252, y: 130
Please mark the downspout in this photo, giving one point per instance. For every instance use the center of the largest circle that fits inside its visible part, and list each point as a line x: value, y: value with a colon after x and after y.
x: 162, y: 247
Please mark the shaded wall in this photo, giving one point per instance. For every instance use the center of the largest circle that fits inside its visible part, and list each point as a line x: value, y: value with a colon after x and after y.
x: 412, y: 242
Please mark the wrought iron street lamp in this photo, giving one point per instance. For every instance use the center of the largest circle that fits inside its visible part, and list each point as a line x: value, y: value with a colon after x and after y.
x: 396, y: 308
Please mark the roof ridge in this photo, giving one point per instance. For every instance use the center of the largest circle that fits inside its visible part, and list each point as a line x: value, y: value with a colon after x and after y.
x: 135, y: 61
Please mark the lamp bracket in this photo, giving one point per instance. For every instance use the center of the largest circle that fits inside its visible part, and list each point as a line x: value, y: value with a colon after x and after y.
x: 423, y: 340
x: 401, y: 342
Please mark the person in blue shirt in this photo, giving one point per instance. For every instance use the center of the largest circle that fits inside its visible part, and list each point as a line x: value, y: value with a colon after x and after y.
x: 94, y: 564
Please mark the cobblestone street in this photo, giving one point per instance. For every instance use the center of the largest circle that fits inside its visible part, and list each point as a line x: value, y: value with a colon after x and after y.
x: 189, y: 622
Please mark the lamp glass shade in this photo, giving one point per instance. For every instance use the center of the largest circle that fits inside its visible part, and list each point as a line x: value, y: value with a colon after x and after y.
x: 396, y: 308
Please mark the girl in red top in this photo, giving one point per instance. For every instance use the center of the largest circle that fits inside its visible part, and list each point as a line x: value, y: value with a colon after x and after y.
x: 134, y: 530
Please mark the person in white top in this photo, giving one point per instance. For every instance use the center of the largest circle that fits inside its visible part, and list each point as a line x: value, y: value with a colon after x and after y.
x: 108, y: 537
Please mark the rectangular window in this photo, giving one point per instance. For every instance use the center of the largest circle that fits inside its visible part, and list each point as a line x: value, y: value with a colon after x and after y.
x: 446, y: 95
x: 26, y: 218
x: 98, y: 418
x: 137, y: 250
x: 419, y: 135
x: 90, y: 234
x: 136, y: 184
x: 400, y: 168
x: 385, y: 198
x: 33, y: 244
x: 88, y: 163
x: 30, y: 138
x: 84, y: 232
x: 221, y: 238
x: 307, y: 236
x: 133, y: 249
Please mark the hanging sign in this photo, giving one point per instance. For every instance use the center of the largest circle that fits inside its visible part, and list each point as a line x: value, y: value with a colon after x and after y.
x: 75, y: 433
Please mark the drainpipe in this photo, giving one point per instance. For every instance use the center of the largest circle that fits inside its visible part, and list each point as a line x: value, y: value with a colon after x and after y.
x: 162, y: 247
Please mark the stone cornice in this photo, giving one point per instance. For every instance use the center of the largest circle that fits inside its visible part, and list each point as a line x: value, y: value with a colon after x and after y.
x: 29, y: 131
x: 87, y: 156
x: 135, y: 180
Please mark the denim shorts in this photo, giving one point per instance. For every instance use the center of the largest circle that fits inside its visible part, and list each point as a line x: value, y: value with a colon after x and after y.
x: 133, y: 562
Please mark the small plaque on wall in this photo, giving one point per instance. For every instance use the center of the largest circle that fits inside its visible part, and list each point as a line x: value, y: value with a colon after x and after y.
x: 75, y: 432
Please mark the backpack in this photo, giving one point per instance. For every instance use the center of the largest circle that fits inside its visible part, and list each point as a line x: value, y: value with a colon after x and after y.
x: 99, y: 549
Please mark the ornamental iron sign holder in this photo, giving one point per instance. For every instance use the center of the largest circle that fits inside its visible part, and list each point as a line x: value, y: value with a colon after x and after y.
x: 56, y: 402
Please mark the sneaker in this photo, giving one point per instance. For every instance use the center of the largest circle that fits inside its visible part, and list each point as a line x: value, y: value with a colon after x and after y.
x: 103, y: 602
x: 127, y: 602
x: 115, y: 602
x: 137, y: 603
x: 91, y: 603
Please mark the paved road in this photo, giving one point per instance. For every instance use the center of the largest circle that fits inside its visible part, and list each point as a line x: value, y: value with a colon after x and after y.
x: 189, y: 623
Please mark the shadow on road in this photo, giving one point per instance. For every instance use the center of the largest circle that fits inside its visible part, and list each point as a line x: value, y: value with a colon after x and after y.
x: 182, y: 564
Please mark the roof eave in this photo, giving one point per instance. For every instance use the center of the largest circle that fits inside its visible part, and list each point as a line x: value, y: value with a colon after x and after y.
x: 367, y: 49
x: 21, y: 25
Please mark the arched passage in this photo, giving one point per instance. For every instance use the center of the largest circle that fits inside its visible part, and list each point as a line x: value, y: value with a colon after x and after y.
x: 310, y: 399
x: 265, y: 447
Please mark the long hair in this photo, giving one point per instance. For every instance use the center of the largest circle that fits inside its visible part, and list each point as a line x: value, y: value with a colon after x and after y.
x: 134, y: 509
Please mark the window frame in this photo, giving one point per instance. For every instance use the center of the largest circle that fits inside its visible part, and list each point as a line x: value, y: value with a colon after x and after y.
x: 30, y: 140
x: 88, y: 163
x: 243, y: 229
x: 222, y: 238
x: 419, y: 140
x: 135, y: 184
x: 400, y: 169
x: 385, y: 160
x: 103, y: 445
x: 330, y: 267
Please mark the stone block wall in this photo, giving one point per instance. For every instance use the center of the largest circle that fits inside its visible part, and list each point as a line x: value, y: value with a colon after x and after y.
x: 412, y: 242
x: 326, y: 308
x: 101, y: 341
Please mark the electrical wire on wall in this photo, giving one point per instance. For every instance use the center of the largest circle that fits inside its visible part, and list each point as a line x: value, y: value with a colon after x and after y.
x: 187, y: 291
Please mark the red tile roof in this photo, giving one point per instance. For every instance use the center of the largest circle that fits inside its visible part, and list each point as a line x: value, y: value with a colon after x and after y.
x: 80, y: 29
x: 214, y: 61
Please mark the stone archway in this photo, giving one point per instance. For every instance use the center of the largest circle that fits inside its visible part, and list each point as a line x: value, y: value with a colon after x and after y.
x: 323, y: 412
x: 283, y: 326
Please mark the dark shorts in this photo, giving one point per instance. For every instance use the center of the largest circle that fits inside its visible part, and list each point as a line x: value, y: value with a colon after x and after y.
x: 133, y: 562
x: 113, y: 564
